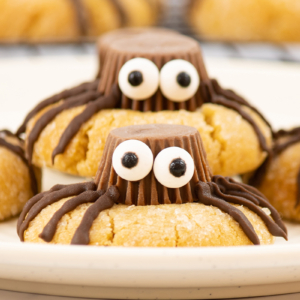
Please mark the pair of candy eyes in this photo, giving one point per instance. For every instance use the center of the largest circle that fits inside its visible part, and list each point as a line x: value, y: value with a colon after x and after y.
x: 139, y: 79
x: 173, y: 167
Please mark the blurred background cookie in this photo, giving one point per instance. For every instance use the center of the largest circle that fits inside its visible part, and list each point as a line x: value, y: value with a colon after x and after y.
x: 71, y: 20
x: 279, y: 178
x: 18, y: 180
x: 247, y: 20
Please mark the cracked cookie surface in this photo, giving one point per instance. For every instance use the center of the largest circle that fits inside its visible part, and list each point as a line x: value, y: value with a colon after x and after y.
x: 230, y: 142
x: 172, y: 225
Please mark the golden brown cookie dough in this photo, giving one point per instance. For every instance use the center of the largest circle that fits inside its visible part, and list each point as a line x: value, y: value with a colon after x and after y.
x: 247, y: 20
x: 230, y: 142
x: 280, y: 185
x: 173, y: 225
x: 15, y: 180
x: 70, y: 20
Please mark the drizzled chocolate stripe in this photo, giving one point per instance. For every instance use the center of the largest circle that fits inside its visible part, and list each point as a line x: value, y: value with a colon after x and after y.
x: 222, y: 190
x: 52, y: 197
x: 104, y: 102
x: 81, y: 236
x: 33, y: 201
x: 81, y: 16
x: 52, y: 113
x: 209, y: 94
x: 17, y: 150
x: 205, y: 196
x: 121, y: 11
x: 229, y: 188
x: 230, y: 185
x: 85, y: 197
x: 231, y: 95
x: 64, y: 95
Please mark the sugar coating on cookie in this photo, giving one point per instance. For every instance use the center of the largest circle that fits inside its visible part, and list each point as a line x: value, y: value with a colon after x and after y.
x: 18, y: 181
x: 185, y: 225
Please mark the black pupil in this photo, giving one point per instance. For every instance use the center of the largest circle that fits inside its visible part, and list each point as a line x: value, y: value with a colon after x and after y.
x: 129, y: 160
x: 135, y: 78
x: 183, y: 79
x: 178, y: 167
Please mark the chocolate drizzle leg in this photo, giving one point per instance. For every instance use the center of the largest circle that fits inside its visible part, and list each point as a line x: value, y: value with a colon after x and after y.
x: 17, y: 150
x: 92, y: 108
x: 221, y: 191
x: 64, y: 95
x: 52, y: 113
x: 81, y: 236
x: 85, y: 197
x: 205, y: 196
x: 50, y: 198
x: 230, y: 189
x: 211, y: 92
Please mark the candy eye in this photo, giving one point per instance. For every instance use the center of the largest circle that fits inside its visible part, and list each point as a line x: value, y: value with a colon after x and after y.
x: 173, y: 167
x: 132, y: 160
x: 179, y: 80
x: 139, y: 78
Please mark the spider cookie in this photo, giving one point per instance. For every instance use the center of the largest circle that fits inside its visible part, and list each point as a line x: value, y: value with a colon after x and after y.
x: 156, y: 77
x: 153, y: 188
x: 279, y: 177
x: 18, y: 180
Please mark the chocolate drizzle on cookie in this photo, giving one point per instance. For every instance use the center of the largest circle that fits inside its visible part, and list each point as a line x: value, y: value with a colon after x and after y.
x: 109, y: 189
x: 18, y: 150
x: 83, y: 18
x: 283, y: 139
x: 212, y: 92
x: 104, y: 93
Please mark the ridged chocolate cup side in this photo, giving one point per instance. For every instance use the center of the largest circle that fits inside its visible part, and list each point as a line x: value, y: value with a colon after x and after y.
x: 105, y: 41
x: 160, y: 49
x: 149, y: 191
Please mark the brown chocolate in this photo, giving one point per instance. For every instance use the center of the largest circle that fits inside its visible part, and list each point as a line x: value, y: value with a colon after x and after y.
x: 101, y: 102
x: 213, y: 93
x: 106, y: 40
x: 149, y: 191
x: 36, y: 204
x: 111, y: 188
x: 19, y: 151
x: 65, y: 95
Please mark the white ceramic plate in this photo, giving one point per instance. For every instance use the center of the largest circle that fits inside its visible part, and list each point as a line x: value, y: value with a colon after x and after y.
x: 181, y: 273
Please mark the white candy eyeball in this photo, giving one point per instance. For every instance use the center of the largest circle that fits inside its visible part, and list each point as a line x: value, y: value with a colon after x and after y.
x: 179, y: 80
x: 139, y: 78
x: 132, y: 160
x: 173, y: 167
